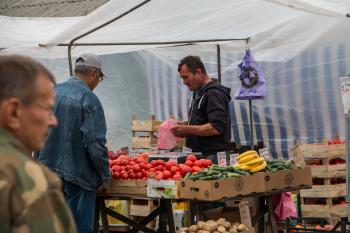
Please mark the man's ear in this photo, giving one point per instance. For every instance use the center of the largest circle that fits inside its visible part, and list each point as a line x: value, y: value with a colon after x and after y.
x: 10, y: 112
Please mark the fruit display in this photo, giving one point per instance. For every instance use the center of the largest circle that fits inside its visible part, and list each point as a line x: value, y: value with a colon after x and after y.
x: 212, y: 226
x: 138, y: 168
x: 250, y: 161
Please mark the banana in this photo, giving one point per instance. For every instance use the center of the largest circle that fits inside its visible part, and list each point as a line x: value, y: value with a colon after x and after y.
x: 249, y: 152
x: 248, y: 158
x: 259, y: 167
x: 242, y: 167
x: 254, y: 162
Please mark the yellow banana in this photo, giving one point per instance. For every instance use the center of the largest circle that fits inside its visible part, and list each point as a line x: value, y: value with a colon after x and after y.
x: 242, y: 166
x: 248, y: 158
x: 259, y: 167
x: 249, y: 152
x: 254, y: 162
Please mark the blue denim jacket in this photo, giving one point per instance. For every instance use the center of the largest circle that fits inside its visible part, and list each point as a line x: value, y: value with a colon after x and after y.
x: 75, y: 149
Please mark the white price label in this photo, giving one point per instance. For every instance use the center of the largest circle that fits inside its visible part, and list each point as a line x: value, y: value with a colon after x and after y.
x: 233, y: 159
x: 265, y: 153
x: 345, y: 93
x: 222, y: 159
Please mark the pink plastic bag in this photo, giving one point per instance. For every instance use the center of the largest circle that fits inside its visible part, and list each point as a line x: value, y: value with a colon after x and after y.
x: 166, y: 139
x: 284, y: 206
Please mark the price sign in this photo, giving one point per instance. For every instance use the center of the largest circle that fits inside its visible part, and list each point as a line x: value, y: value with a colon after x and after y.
x: 233, y: 159
x: 345, y: 93
x: 222, y: 158
x: 265, y: 153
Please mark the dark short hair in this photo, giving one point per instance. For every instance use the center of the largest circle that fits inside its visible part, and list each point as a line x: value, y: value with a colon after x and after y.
x: 18, y: 75
x: 192, y: 63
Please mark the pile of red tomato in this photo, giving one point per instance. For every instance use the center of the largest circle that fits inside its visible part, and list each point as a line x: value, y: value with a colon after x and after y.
x: 126, y: 168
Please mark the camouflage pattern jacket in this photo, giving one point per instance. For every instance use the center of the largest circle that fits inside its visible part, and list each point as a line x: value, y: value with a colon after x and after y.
x: 31, y: 199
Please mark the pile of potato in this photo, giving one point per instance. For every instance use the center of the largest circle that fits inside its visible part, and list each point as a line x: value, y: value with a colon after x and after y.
x: 212, y: 226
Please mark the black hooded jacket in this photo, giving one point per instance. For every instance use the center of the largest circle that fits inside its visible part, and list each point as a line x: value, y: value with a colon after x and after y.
x: 210, y: 104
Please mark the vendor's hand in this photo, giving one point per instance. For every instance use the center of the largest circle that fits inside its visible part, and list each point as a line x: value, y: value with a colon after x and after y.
x: 179, y: 130
x: 102, y: 189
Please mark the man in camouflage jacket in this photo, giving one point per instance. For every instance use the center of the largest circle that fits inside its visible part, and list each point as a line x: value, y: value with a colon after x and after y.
x: 31, y: 199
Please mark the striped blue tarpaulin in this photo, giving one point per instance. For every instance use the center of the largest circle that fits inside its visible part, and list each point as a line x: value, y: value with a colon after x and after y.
x: 303, y: 102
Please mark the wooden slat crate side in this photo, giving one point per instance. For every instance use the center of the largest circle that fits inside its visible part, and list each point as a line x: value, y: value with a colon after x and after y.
x: 332, y: 174
x: 325, y: 211
x: 146, y: 125
x: 138, y: 187
x: 324, y: 191
x: 320, y: 150
x: 143, y: 143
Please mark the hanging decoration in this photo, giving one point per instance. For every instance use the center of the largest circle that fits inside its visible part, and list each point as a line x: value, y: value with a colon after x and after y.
x: 253, y: 83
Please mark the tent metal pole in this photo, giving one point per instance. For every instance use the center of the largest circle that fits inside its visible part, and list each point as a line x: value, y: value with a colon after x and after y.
x: 97, y: 28
x: 219, y: 61
x: 347, y: 158
x: 251, y: 125
x: 178, y: 42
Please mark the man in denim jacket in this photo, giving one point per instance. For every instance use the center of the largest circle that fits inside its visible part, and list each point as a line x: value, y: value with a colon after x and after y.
x: 75, y: 150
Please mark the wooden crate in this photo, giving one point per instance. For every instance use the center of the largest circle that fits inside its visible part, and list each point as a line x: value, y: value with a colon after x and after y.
x: 331, y: 212
x: 142, y: 207
x: 318, y: 151
x: 144, y: 134
x: 133, y: 187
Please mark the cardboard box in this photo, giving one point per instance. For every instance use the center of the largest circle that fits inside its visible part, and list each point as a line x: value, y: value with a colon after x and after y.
x: 287, y: 178
x: 163, y: 188
x: 134, y: 187
x: 211, y: 190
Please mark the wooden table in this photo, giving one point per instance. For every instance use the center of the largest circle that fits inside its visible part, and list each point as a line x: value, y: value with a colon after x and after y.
x: 165, y: 212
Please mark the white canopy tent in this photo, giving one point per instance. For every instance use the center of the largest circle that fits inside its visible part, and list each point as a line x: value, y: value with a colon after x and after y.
x: 279, y: 31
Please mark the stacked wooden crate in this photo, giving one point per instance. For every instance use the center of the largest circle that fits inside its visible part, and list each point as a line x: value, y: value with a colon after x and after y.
x: 326, y: 198
x: 144, y: 134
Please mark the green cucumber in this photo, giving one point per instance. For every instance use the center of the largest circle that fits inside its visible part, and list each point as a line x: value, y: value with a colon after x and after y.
x: 205, y: 178
x: 196, y: 176
x: 215, y: 177
x: 242, y: 172
x: 218, y: 168
x: 233, y: 174
x: 188, y: 174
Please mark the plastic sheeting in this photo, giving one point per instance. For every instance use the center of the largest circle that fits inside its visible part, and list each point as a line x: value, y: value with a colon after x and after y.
x: 277, y: 31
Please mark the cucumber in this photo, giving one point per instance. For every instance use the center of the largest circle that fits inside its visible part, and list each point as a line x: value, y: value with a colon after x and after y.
x: 196, y: 176
x: 288, y: 164
x: 241, y: 172
x: 268, y: 168
x: 205, y: 178
x: 230, y: 169
x: 280, y: 167
x: 218, y: 176
x: 214, y: 172
x: 204, y: 171
x: 218, y: 168
x: 188, y: 174
x: 233, y: 174
x: 223, y: 177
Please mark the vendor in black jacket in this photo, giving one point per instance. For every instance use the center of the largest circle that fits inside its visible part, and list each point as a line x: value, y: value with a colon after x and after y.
x: 209, y: 125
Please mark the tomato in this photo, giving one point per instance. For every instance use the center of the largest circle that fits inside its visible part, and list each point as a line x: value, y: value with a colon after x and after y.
x: 189, y: 163
x: 174, y: 169
x: 160, y: 167
x: 139, y: 175
x: 177, y: 176
x: 132, y: 175
x: 128, y: 167
x: 160, y: 162
x: 116, y: 175
x: 154, y: 163
x: 148, y: 166
x: 198, y: 163
x: 136, y: 167
x: 152, y: 169
x: 170, y: 164
x: 142, y: 165
x: 132, y: 163
x: 196, y: 169
x: 159, y: 176
x: 185, y: 169
x: 116, y: 168
x: 125, y: 162
x: 166, y: 174
x: 192, y: 158
x: 125, y: 176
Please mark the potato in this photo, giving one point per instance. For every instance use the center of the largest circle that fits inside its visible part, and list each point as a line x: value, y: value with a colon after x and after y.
x: 221, y: 229
x: 205, y: 231
x: 233, y: 230
x: 211, y: 226
x: 235, y: 224
x: 200, y: 225
x: 227, y: 225
x: 242, y: 227
x: 184, y: 229
x: 193, y: 228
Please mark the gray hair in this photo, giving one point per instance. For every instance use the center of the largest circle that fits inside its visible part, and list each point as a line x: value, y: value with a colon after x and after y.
x: 18, y: 75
